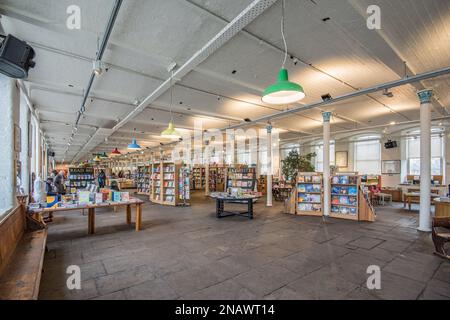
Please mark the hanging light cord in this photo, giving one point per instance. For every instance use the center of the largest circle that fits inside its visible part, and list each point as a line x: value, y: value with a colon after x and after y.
x: 171, y: 97
x: 282, y: 33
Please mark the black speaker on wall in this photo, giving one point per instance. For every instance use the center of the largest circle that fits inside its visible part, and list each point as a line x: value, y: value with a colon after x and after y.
x: 16, y: 57
x: 390, y: 144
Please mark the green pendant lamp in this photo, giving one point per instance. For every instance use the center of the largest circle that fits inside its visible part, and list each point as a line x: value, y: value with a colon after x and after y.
x: 283, y: 91
x: 171, y: 132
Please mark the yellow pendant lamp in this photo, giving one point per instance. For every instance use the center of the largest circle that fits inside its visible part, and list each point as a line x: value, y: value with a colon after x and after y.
x: 171, y: 132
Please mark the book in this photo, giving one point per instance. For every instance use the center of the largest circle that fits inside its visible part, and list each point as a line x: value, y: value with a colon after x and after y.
x: 125, y: 196
x: 83, y: 197
x: 98, y: 197
x: 116, y: 196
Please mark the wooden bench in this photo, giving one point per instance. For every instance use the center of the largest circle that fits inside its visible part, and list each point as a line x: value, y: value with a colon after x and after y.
x: 441, y: 236
x: 21, y: 256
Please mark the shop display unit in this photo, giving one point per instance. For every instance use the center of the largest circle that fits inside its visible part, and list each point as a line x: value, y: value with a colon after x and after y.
x: 184, y: 185
x: 143, y: 179
x: 243, y: 177
x: 262, y: 184
x: 198, y: 178
x: 165, y: 182
x: 344, y: 196
x: 80, y: 178
x: 216, y: 181
x: 309, y: 194
x: 371, y: 181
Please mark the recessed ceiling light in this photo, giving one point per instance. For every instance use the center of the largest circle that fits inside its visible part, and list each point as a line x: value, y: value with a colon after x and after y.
x: 326, y: 19
x: 233, y: 72
x: 71, y: 85
x: 392, y: 123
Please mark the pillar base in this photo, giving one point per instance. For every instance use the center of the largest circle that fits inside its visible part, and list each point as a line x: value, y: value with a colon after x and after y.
x: 424, y: 230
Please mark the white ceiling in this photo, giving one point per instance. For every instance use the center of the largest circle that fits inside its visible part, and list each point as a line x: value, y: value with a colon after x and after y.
x: 337, y: 56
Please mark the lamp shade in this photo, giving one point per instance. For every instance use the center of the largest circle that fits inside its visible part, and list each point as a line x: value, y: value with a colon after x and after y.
x: 170, y: 132
x: 97, y: 158
x: 133, y: 145
x: 104, y: 155
x: 283, y: 91
x: 115, y: 152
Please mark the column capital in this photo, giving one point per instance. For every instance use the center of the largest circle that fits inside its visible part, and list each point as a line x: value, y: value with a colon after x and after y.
x: 326, y: 116
x: 425, y: 95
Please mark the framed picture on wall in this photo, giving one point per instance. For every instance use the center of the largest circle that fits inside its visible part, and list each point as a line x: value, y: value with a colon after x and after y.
x: 341, y: 159
x: 17, y: 142
x: 390, y: 166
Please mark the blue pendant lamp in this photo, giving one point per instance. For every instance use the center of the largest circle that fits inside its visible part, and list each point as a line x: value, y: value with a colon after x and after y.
x: 133, y: 145
x: 283, y: 91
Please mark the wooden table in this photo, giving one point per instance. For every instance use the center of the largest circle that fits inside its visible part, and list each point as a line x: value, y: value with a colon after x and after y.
x: 221, y: 213
x: 383, y: 197
x: 414, y: 197
x: 91, y: 212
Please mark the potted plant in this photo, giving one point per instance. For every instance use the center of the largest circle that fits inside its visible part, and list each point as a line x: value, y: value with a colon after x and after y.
x: 294, y: 162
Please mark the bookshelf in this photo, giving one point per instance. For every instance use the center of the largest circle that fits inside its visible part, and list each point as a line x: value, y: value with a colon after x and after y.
x: 184, y: 186
x: 309, y: 194
x: 143, y: 179
x: 216, y: 181
x: 79, y: 178
x: 262, y: 184
x: 344, y: 196
x: 198, y: 178
x: 243, y: 177
x: 165, y: 183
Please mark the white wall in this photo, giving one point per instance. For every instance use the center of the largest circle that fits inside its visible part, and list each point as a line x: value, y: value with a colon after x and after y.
x: 392, y: 180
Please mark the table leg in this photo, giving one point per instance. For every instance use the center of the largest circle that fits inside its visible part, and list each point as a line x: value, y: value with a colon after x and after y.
x: 129, y: 214
x: 409, y: 203
x: 217, y: 208
x: 138, y: 217
x: 250, y: 208
x: 91, y: 220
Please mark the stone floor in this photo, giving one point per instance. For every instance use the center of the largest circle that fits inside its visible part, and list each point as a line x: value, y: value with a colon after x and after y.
x: 186, y: 253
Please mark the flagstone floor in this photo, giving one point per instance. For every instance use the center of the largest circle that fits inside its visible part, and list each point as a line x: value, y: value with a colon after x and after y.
x: 186, y: 253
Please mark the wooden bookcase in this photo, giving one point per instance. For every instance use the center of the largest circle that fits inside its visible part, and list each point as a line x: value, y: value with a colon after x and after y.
x: 309, y: 194
x: 262, y: 184
x: 243, y: 177
x: 198, y: 178
x: 344, y: 196
x: 143, y: 179
x: 80, y: 177
x: 216, y: 181
x: 165, y: 183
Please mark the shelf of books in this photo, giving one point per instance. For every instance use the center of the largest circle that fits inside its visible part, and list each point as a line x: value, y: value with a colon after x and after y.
x: 309, y: 194
x: 143, y: 179
x: 165, y: 182
x: 198, y: 178
x: 184, y: 186
x: 216, y: 181
x: 344, y: 196
x: 241, y: 176
x: 262, y: 184
x: 155, y: 192
x: 79, y: 178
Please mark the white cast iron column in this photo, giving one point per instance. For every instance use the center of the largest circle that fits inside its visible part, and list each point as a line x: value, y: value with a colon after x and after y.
x: 269, y: 165
x: 326, y: 163
x: 425, y: 160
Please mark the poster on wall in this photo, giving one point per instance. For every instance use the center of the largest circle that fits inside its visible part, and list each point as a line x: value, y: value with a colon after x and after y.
x: 390, y: 167
x: 341, y: 159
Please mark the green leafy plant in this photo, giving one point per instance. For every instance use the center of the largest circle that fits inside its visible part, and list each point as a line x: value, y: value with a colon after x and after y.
x: 294, y: 162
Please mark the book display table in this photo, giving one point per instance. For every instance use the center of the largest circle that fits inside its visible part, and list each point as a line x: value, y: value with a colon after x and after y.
x: 38, y: 213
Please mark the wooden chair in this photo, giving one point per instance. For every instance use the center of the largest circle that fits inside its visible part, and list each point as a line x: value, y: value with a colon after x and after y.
x: 441, y: 235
